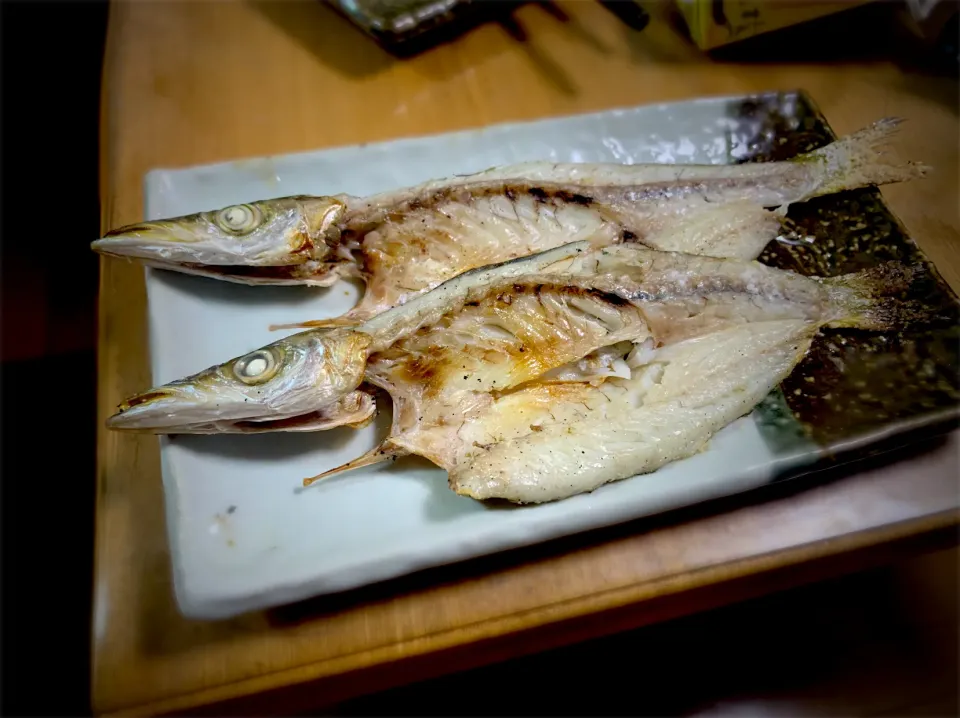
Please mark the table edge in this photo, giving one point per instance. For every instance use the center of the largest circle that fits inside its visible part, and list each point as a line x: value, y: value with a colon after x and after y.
x: 506, y: 626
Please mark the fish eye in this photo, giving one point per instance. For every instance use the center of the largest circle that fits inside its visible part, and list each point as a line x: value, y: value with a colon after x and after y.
x: 240, y: 218
x: 256, y: 367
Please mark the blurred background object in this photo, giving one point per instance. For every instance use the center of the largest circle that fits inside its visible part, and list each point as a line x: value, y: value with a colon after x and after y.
x: 406, y: 27
x: 937, y: 22
x: 912, y: 33
x: 738, y: 30
x: 713, y: 23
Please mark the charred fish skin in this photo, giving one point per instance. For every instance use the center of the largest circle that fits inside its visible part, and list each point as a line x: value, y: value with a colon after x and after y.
x: 406, y: 242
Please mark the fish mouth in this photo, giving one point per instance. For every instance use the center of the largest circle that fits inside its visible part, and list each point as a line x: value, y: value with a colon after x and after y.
x: 165, y: 411
x: 309, y: 421
x: 155, y: 247
x: 323, y: 275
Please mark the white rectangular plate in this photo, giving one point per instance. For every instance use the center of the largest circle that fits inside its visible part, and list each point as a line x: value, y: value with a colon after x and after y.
x: 243, y: 534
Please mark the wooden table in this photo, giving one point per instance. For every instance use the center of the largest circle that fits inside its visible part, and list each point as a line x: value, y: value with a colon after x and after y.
x: 201, y: 82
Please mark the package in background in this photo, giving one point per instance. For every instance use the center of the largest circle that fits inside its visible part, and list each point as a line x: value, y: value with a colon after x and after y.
x: 713, y: 23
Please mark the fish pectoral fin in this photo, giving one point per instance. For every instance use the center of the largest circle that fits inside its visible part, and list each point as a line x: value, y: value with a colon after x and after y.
x: 371, y: 304
x: 345, y: 321
x: 739, y: 229
x: 384, y: 452
x: 359, y: 314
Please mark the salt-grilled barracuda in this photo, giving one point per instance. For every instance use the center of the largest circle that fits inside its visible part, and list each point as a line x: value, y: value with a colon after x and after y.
x: 541, y: 343
x: 706, y: 341
x: 405, y: 242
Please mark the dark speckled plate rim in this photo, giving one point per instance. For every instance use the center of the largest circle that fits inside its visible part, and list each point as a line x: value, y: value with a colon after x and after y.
x: 935, y: 272
x: 807, y: 457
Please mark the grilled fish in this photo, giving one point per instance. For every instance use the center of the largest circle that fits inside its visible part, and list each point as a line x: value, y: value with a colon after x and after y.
x: 588, y: 345
x: 685, y: 346
x: 403, y: 243
x: 311, y: 380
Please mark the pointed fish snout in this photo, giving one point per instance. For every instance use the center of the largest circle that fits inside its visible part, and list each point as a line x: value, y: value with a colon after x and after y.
x: 154, y: 408
x: 146, y: 240
x: 167, y: 246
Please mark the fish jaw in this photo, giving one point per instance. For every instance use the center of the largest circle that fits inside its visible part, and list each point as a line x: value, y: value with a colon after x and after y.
x: 307, y: 382
x: 271, y: 241
x: 169, y: 416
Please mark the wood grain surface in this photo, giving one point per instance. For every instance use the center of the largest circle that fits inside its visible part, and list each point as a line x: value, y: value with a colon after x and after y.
x: 197, y: 82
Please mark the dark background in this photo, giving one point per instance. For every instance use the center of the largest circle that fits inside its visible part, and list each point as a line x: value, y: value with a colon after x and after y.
x: 52, y: 55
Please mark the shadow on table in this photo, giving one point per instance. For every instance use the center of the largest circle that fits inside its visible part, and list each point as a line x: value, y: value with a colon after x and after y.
x: 877, y: 642
x: 346, y: 49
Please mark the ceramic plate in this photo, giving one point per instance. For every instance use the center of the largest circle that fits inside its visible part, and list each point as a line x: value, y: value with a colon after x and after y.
x: 244, y: 535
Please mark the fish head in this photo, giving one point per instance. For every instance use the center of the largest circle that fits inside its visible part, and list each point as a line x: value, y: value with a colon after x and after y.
x: 269, y: 241
x: 306, y: 381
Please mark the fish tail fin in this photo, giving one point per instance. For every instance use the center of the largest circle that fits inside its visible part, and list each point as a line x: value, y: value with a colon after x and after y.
x: 862, y: 159
x: 874, y: 299
x: 384, y: 452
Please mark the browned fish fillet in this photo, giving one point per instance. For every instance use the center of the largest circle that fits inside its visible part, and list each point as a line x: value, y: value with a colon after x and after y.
x: 405, y: 242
